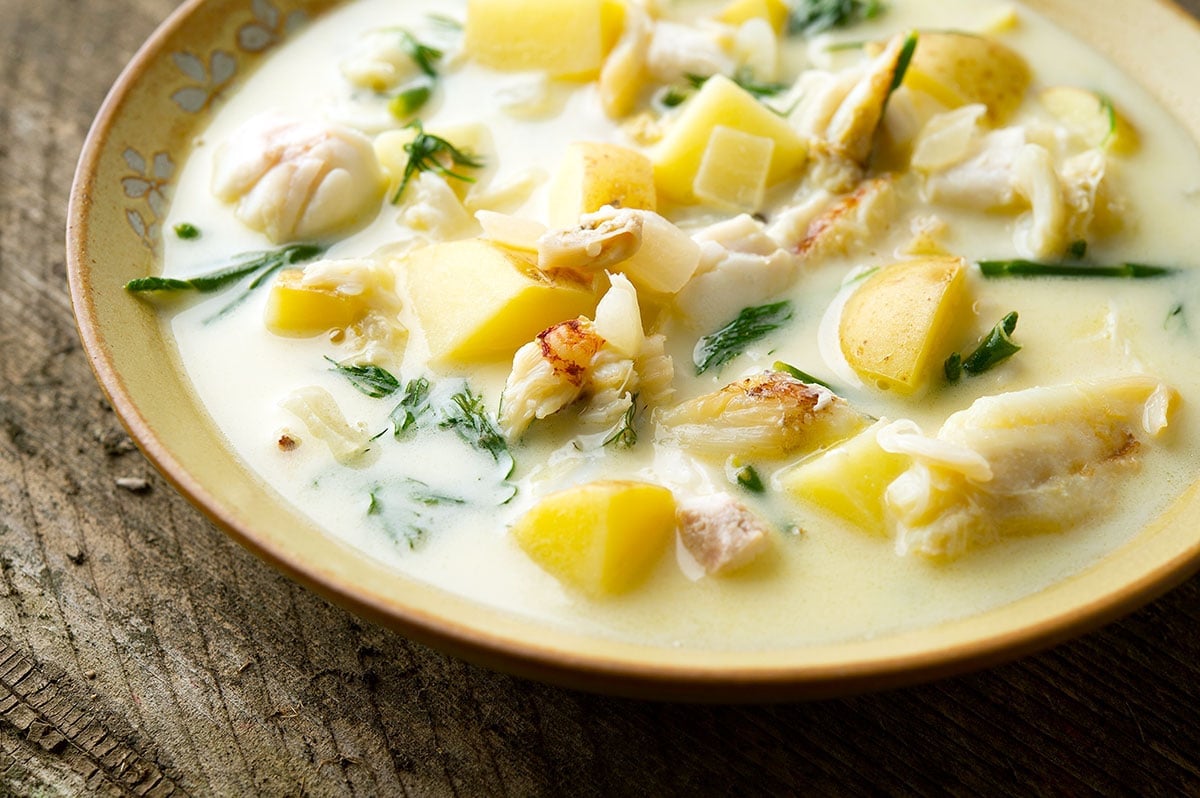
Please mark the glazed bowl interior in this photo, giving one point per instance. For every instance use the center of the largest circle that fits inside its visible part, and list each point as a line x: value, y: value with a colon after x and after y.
x: 120, y: 197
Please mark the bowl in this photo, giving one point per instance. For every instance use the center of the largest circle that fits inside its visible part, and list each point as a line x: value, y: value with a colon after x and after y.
x: 119, y: 200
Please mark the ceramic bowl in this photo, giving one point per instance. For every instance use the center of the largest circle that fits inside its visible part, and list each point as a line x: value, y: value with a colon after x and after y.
x: 120, y: 196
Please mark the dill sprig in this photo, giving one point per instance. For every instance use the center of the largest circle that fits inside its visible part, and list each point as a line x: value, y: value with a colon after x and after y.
x: 430, y: 153
x: 810, y: 17
x: 467, y: 416
x: 424, y: 56
x: 375, y: 381
x: 731, y: 340
x: 263, y: 264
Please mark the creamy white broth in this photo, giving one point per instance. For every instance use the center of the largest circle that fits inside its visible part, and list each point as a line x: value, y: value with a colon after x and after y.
x: 821, y: 581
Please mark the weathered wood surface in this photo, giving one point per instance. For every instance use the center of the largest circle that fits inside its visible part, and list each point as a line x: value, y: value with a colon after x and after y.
x: 141, y: 652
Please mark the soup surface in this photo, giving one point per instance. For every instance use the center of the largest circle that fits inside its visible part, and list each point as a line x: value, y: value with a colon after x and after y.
x: 821, y: 163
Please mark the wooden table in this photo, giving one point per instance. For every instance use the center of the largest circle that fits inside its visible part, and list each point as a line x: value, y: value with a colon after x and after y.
x: 143, y: 652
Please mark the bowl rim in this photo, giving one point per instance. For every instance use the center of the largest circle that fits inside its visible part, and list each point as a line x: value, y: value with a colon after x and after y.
x: 563, y: 663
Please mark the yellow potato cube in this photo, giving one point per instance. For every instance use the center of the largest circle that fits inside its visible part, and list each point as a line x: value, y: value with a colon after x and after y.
x: 960, y: 68
x: 595, y: 174
x: 479, y: 301
x: 600, y: 538
x: 721, y: 102
x: 298, y: 310
x: 733, y: 171
x: 849, y: 479
x: 567, y: 38
x: 739, y: 11
x: 1091, y: 117
x: 898, y: 327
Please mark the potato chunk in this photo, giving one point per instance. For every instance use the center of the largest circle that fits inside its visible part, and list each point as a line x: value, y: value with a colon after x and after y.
x: 478, y: 301
x: 595, y: 174
x: 301, y: 310
x: 898, y: 327
x: 567, y: 38
x: 849, y: 479
x: 960, y: 69
x: 721, y: 102
x: 600, y: 538
x: 1091, y: 117
x: 738, y: 12
x: 733, y: 171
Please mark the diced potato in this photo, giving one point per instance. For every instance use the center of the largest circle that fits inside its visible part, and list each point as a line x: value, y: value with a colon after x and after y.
x: 739, y: 11
x: 299, y: 310
x: 721, y: 102
x: 849, y: 479
x: 733, y: 171
x: 567, y: 38
x: 595, y: 174
x: 601, y: 538
x: 1093, y: 118
x: 666, y: 260
x: 479, y: 301
x: 960, y: 68
x: 899, y: 326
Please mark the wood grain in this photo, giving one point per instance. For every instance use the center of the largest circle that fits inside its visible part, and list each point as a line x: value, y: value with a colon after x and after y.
x: 142, y: 653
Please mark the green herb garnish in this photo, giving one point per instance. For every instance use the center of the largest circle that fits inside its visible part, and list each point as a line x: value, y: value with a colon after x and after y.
x: 672, y: 97
x: 407, y: 102
x: 429, y: 153
x: 187, y: 231
x: 261, y: 263
x: 424, y: 56
x: 405, y: 516
x: 1077, y: 249
x: 995, y: 348
x: 1030, y: 268
x: 375, y: 381
x: 625, y: 434
x: 444, y: 21
x: 803, y: 376
x: 1176, y: 318
x: 906, y: 55
x: 747, y: 476
x: 810, y: 17
x: 467, y: 416
x: 751, y: 324
x: 413, y: 405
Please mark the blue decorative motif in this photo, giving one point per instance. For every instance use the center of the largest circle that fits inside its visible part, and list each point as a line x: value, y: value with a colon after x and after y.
x: 148, y: 182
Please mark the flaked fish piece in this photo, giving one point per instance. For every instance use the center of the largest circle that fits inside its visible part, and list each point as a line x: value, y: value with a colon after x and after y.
x: 985, y: 180
x: 769, y: 414
x: 573, y: 360
x: 297, y: 179
x: 852, y: 221
x: 1037, y: 460
x: 548, y: 374
x: 599, y: 242
x: 741, y: 264
x: 852, y: 129
x: 720, y: 533
x: 1042, y: 232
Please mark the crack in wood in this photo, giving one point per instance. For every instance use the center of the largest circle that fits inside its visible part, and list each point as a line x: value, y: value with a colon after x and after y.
x: 45, y: 712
